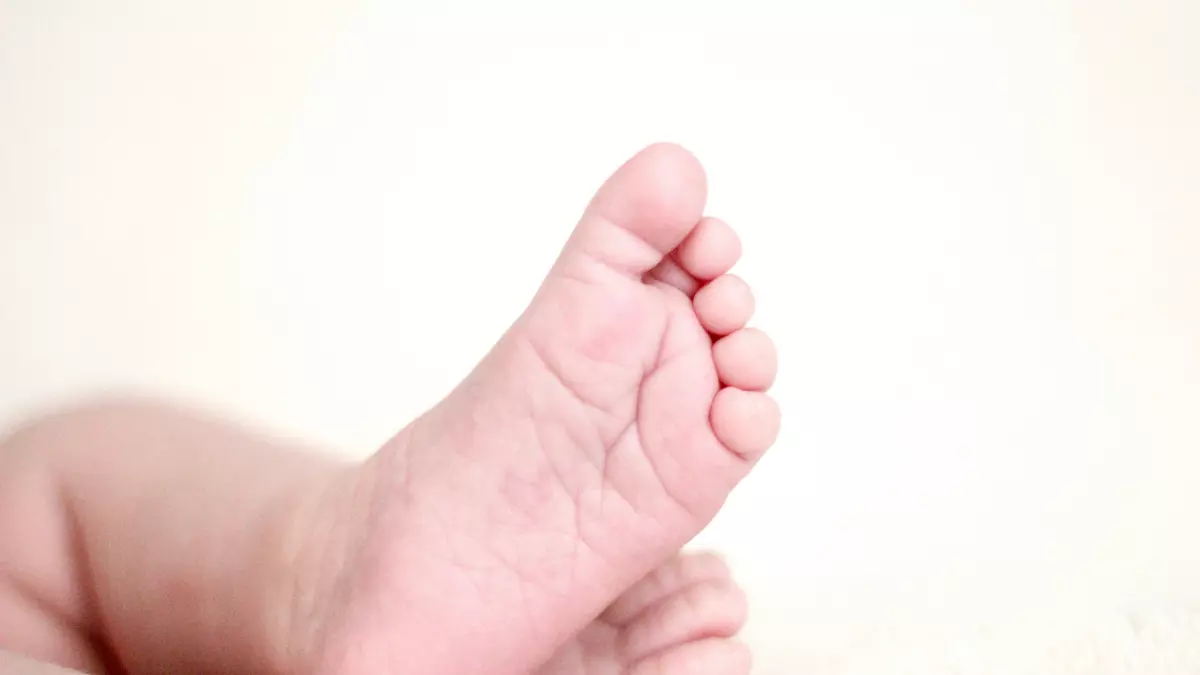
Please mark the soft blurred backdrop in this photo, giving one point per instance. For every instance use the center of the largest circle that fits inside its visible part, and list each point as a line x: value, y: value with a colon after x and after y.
x: 973, y: 226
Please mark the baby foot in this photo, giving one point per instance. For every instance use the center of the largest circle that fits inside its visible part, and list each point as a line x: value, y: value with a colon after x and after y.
x: 677, y: 621
x: 601, y: 433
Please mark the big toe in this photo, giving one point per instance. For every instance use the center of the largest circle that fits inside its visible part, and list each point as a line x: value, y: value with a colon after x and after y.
x: 642, y: 212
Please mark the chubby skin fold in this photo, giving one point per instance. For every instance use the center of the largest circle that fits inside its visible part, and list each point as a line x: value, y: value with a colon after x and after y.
x: 531, y: 522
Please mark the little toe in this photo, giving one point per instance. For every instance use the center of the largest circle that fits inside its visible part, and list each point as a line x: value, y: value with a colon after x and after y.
x: 672, y: 577
x: 746, y: 359
x: 724, y: 305
x: 711, y: 609
x: 707, y: 657
x: 746, y: 422
x: 710, y: 250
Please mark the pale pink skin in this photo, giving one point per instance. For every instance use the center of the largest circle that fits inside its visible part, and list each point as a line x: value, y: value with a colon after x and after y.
x: 530, y: 522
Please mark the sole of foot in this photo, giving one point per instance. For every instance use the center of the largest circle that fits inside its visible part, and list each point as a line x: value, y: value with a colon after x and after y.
x: 603, y: 431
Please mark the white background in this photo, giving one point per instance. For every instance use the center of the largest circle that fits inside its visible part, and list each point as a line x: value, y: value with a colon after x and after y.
x: 972, y: 227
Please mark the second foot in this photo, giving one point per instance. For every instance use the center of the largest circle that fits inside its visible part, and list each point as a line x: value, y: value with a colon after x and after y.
x: 679, y: 620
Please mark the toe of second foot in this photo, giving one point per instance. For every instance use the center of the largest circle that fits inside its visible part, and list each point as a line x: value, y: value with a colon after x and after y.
x: 714, y: 656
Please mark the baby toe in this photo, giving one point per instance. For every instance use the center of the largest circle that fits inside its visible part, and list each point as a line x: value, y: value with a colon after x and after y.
x: 746, y: 422
x: 710, y: 250
x: 724, y: 305
x: 746, y: 359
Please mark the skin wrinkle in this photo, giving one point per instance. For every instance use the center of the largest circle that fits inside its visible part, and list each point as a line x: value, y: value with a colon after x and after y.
x: 663, y: 359
x: 606, y: 487
x: 605, y: 480
x: 24, y: 589
x: 652, y: 252
x: 569, y: 274
x: 537, y: 432
x: 652, y: 369
x: 554, y: 420
x: 683, y: 352
x: 602, y: 461
x: 336, y: 550
x: 478, y: 523
x: 572, y: 492
x: 654, y: 363
x: 606, y: 288
x: 89, y: 652
x: 23, y: 461
x: 474, y: 567
x: 105, y: 650
x: 602, y: 409
x: 360, y: 498
x: 601, y: 440
x: 524, y: 581
x: 630, y: 431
